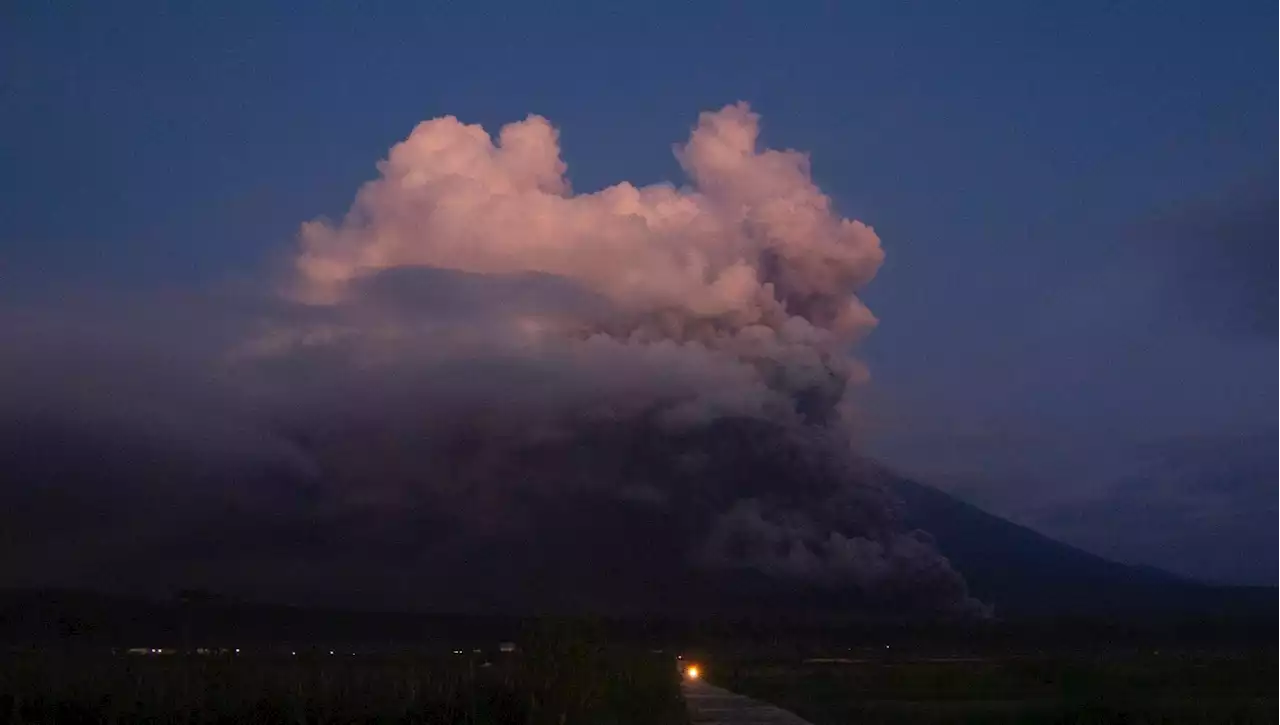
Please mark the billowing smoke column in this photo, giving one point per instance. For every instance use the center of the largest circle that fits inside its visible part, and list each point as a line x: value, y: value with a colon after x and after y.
x: 685, y: 348
x: 752, y: 262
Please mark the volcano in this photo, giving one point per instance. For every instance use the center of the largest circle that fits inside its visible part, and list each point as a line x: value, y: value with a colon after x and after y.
x: 735, y: 518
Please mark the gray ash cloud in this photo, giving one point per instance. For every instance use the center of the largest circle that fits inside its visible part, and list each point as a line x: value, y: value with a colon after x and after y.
x: 479, y: 386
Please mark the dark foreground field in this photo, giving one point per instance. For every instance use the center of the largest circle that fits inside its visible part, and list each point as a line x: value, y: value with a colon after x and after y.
x: 1115, y: 687
x: 572, y: 685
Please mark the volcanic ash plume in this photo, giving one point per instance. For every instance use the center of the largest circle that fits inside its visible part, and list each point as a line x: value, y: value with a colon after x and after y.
x: 752, y: 262
x: 473, y: 315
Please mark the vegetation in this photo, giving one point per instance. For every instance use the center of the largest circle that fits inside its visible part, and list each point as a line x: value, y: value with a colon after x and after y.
x: 561, y: 679
x: 1109, y: 688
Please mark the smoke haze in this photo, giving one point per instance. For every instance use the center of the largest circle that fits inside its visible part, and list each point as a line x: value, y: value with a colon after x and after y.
x: 480, y: 377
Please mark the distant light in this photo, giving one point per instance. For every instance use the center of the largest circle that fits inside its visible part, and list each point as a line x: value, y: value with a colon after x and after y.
x: 295, y: 654
x: 330, y: 651
x: 692, y: 672
x: 237, y: 650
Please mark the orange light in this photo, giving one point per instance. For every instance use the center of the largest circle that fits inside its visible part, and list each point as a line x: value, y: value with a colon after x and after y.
x: 692, y: 672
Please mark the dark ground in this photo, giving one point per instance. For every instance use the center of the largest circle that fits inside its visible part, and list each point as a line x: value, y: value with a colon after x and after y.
x: 1112, y: 687
x: 63, y: 660
x: 562, y: 681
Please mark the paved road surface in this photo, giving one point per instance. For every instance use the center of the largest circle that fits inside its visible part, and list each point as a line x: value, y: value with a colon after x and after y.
x: 710, y: 705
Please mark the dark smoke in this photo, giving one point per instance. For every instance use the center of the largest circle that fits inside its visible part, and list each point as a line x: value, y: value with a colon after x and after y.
x: 492, y: 393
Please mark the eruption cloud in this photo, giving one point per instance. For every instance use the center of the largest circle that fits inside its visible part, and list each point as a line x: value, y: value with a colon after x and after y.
x: 713, y: 323
x: 481, y: 389
x: 750, y: 265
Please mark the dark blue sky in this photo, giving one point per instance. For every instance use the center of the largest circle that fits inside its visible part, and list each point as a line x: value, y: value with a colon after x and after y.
x: 1077, y: 200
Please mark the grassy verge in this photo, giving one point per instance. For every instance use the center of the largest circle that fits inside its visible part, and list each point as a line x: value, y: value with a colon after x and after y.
x: 1049, y: 689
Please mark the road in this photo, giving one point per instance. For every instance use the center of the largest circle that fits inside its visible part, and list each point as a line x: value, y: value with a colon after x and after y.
x: 710, y: 705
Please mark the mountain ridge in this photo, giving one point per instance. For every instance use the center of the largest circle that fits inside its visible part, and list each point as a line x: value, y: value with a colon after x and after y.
x: 1019, y: 572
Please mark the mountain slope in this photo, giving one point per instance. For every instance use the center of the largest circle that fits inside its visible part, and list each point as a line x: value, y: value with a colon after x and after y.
x: 729, y: 518
x: 1020, y: 571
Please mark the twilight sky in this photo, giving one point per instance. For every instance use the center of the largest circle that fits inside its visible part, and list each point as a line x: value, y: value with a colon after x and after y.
x: 1076, y: 202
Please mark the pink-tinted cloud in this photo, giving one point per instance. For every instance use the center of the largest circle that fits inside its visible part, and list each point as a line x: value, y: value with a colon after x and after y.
x: 753, y: 241
x: 475, y: 358
x: 750, y: 264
